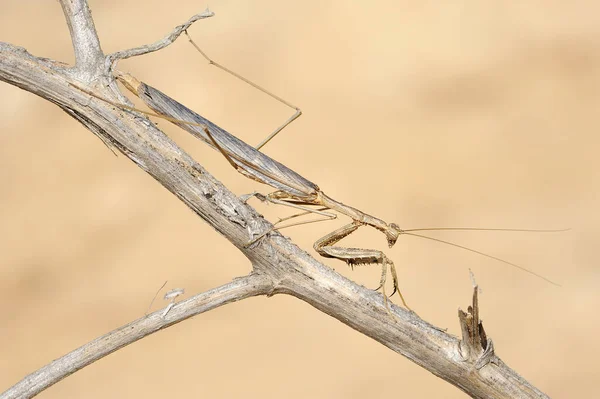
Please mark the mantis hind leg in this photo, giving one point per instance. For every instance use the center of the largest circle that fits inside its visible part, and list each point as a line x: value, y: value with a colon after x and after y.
x: 297, y: 111
x: 358, y: 256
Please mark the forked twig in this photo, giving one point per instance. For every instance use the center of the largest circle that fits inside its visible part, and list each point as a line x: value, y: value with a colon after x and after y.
x: 113, y: 58
x: 240, y: 288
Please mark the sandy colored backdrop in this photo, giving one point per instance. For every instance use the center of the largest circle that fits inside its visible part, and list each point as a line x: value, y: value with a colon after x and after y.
x: 464, y: 114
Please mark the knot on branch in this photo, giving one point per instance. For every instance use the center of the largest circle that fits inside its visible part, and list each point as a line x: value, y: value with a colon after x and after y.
x: 475, y: 347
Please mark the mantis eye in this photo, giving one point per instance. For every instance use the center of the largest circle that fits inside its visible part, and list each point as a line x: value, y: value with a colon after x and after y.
x: 392, y: 234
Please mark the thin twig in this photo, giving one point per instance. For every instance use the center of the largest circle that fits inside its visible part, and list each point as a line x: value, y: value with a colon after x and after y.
x: 238, y: 289
x: 155, y: 295
x: 113, y: 58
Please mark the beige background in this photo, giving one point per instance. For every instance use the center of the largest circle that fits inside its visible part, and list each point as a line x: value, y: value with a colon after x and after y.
x: 457, y: 114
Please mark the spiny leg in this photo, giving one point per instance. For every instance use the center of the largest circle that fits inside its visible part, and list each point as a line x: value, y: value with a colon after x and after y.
x: 353, y: 256
x: 387, y: 261
x: 396, y: 286
x: 382, y: 287
x: 280, y: 128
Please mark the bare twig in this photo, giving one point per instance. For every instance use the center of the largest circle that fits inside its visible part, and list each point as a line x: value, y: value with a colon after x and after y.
x: 241, y: 288
x: 282, y: 267
x: 113, y: 58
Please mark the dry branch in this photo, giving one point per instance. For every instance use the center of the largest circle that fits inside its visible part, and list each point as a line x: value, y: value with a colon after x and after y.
x: 34, y: 383
x: 278, y: 265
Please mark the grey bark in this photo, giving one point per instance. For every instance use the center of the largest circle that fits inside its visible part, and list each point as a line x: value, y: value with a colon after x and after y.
x: 279, y: 267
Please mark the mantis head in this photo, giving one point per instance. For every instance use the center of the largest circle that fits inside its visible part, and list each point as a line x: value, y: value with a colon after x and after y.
x: 392, y: 233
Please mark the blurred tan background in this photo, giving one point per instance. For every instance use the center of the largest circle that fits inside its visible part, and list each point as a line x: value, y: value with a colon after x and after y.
x: 465, y: 114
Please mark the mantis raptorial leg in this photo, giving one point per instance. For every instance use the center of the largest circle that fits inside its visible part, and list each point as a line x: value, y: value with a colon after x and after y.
x: 292, y: 118
x: 357, y: 256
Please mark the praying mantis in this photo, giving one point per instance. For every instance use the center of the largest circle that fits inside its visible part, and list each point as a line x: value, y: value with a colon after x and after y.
x: 292, y: 189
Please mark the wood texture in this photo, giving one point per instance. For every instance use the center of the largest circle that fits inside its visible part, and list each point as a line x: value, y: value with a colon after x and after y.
x: 283, y: 268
